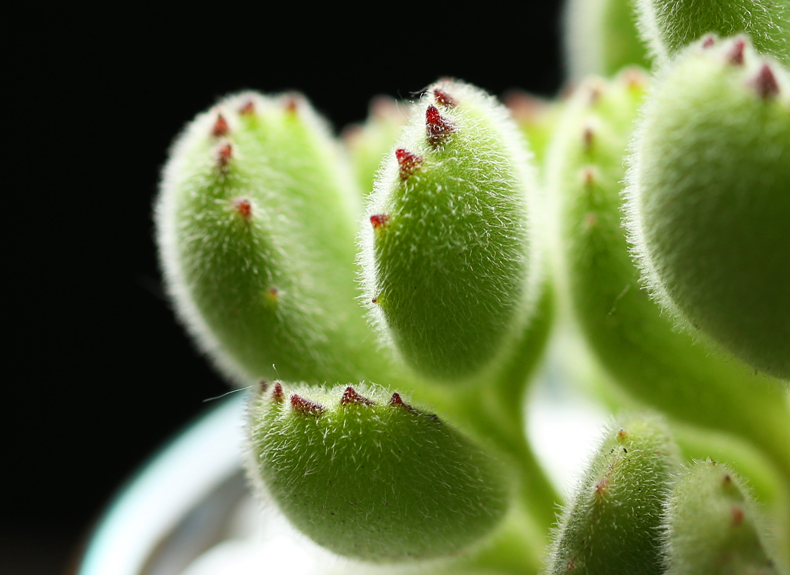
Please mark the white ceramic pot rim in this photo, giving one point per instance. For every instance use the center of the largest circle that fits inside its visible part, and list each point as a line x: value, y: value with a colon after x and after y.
x: 154, y: 501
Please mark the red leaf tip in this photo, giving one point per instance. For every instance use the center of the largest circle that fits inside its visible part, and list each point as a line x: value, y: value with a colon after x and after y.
x: 224, y: 154
x: 437, y: 126
x: 735, y: 54
x: 378, y: 221
x: 301, y: 405
x: 263, y: 386
x: 247, y: 109
x: 278, y: 395
x: 765, y: 82
x: 443, y: 98
x: 220, y: 127
x: 602, y: 486
x: 589, y: 180
x: 594, y: 93
x: 243, y: 207
x: 396, y: 401
x: 737, y: 515
x: 271, y: 296
x: 408, y: 163
x: 587, y: 137
x: 634, y: 79
x: 709, y: 41
x: 291, y: 103
x: 350, y: 396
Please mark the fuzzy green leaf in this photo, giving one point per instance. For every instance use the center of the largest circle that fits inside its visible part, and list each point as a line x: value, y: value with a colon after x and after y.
x: 369, y: 476
x: 671, y: 25
x: 449, y: 256
x: 256, y: 223
x: 613, y: 524
x: 708, y: 200
x: 712, y: 527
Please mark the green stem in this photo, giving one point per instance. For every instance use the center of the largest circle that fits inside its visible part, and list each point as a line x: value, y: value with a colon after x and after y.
x: 494, y: 410
x: 491, y: 408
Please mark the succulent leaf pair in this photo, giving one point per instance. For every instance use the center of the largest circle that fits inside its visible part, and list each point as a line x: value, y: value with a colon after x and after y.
x: 637, y: 343
x: 257, y: 223
x: 638, y: 510
x: 258, y: 241
x: 707, y: 203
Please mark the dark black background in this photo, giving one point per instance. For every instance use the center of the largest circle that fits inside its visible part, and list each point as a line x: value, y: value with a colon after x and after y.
x: 98, y: 373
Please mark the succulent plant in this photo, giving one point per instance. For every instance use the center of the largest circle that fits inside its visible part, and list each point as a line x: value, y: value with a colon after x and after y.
x: 388, y: 297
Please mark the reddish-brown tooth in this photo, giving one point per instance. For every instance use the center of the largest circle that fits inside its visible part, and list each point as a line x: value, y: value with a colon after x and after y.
x: 396, y: 401
x: 374, y: 300
x: 634, y: 78
x: 224, y: 154
x: 589, y: 180
x: 437, y: 126
x: 765, y: 82
x: 243, y: 207
x: 247, y: 109
x: 302, y: 405
x: 737, y: 515
x: 709, y: 41
x: 263, y: 386
x: 378, y: 221
x: 291, y: 103
x: 735, y: 55
x: 587, y: 137
x: 272, y: 295
x: 408, y: 163
x: 594, y: 94
x: 277, y: 392
x: 602, y: 487
x: 220, y: 127
x: 351, y: 396
x: 443, y: 98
